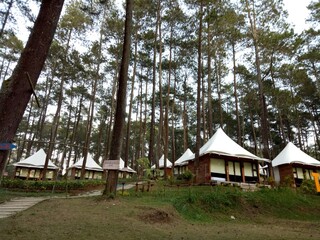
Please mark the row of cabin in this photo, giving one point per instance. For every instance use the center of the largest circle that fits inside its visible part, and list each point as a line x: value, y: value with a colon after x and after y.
x: 223, y: 160
x: 220, y: 160
x: 32, y: 167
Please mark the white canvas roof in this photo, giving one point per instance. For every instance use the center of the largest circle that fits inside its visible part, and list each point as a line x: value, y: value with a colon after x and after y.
x: 125, y: 169
x: 292, y: 154
x: 36, y: 160
x: 90, y: 164
x: 161, y: 163
x: 221, y: 144
x: 183, y: 159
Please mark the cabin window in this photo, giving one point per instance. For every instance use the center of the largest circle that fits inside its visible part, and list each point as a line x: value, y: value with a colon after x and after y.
x: 37, y: 173
x: 23, y: 172
x: 308, y: 174
x: 18, y: 172
x: 250, y: 172
x: 217, y: 168
x: 235, y: 171
x: 32, y: 173
x: 98, y: 175
x: 248, y: 169
x: 299, y: 173
x: 49, y: 174
x: 254, y: 170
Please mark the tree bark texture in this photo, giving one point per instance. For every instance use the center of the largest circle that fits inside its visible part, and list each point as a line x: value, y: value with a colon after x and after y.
x: 16, y: 91
x: 116, y: 143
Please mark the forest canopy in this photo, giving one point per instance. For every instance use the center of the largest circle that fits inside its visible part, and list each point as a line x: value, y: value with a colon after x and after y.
x: 258, y: 78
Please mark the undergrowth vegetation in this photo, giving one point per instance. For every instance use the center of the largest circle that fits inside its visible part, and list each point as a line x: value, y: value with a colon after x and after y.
x: 197, y: 203
x: 201, y: 203
x: 32, y: 185
x: 228, y: 201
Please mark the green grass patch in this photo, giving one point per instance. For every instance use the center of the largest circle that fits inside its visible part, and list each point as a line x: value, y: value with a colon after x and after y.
x: 172, y: 212
x: 203, y: 203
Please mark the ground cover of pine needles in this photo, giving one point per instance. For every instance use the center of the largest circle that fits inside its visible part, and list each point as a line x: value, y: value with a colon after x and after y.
x: 171, y: 212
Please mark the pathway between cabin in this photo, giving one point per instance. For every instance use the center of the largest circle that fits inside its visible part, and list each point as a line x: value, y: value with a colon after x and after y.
x: 16, y: 205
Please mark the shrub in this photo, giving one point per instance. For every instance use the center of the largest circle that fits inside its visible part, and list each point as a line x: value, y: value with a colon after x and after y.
x: 188, y: 176
x: 308, y: 187
x: 33, y: 185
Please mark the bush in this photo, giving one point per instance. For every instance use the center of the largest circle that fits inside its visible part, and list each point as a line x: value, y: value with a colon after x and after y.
x: 32, y: 185
x: 188, y: 176
x: 308, y: 187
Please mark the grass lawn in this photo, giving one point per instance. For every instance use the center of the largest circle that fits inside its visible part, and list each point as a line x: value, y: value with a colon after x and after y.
x: 172, y: 213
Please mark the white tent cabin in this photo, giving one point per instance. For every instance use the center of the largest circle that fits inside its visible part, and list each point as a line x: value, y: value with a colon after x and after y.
x: 162, y: 168
x: 181, y: 165
x: 125, y: 172
x: 31, y: 167
x: 92, y: 169
x: 293, y: 164
x: 118, y: 165
x: 223, y: 160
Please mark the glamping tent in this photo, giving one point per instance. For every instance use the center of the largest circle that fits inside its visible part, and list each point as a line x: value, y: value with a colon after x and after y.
x: 181, y: 165
x: 221, y: 159
x: 162, y: 167
x: 123, y: 172
x: 293, y: 164
x: 93, y: 169
x: 123, y: 169
x: 31, y: 167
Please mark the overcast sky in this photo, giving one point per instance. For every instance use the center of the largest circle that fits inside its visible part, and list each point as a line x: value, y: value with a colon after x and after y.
x: 297, y: 10
x: 298, y: 13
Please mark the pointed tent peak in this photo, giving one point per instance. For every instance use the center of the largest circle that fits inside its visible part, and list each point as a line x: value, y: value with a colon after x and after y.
x: 161, y: 163
x: 36, y: 160
x: 293, y: 154
x: 90, y: 164
x: 125, y: 169
x: 40, y: 154
x: 220, y: 143
x: 183, y: 160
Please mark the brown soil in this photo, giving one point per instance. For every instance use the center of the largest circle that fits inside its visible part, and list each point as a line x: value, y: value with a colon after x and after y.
x: 155, y: 216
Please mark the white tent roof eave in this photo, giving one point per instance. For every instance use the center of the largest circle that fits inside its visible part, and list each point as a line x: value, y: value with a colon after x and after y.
x: 223, y: 145
x: 183, y: 160
x: 161, y: 163
x: 91, y: 165
x: 36, y: 160
x: 292, y: 154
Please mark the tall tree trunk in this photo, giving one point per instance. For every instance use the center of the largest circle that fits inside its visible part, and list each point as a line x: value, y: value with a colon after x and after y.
x: 126, y: 158
x: 91, y: 109
x: 65, y: 148
x: 16, y: 91
x: 263, y: 109
x: 54, y: 131
x: 210, y: 114
x: 140, y: 146
x: 161, y: 128
x: 6, y: 16
x: 151, y: 154
x: 198, y: 137
x: 43, y: 113
x: 74, y: 132
x: 112, y: 179
x: 22, y: 146
x: 203, y: 108
x: 218, y: 76
x: 173, y: 143
x: 185, y: 117
x: 166, y: 117
x: 235, y: 93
